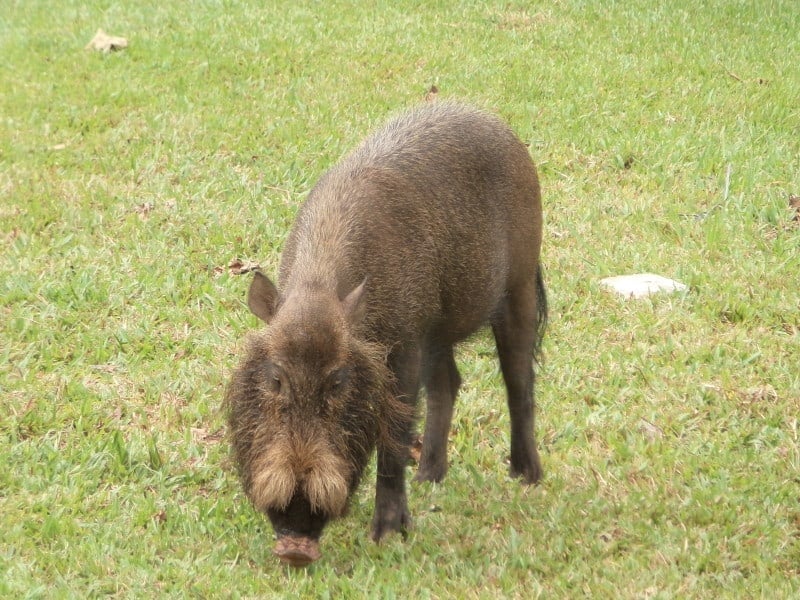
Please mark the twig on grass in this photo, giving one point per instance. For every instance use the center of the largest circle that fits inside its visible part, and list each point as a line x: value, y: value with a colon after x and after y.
x: 731, y: 73
x: 727, y: 183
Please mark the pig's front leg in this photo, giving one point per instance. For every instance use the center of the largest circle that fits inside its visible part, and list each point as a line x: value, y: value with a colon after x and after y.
x: 391, y: 506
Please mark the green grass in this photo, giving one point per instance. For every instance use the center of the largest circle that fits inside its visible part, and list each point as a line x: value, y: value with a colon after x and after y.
x: 667, y: 141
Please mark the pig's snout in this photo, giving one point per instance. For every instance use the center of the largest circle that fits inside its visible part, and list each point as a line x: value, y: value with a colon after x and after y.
x: 297, y: 551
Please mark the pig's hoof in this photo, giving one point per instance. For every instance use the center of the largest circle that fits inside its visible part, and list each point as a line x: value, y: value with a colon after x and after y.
x: 434, y: 473
x: 297, y: 551
x: 530, y: 473
x: 398, y: 521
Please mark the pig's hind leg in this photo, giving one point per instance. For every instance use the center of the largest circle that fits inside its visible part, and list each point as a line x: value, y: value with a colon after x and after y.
x: 516, y: 327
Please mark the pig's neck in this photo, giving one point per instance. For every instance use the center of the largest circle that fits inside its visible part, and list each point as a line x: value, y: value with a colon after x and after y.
x: 323, y: 253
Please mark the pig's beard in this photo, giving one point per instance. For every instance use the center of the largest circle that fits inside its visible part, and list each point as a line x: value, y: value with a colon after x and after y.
x: 310, y: 467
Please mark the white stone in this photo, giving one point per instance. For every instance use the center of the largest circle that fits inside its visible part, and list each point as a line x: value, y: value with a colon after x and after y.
x: 641, y: 285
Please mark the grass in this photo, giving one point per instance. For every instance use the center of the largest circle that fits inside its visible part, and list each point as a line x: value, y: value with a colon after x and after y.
x: 129, y: 182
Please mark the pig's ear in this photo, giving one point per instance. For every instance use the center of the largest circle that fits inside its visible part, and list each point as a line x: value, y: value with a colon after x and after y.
x: 355, y: 303
x: 262, y: 297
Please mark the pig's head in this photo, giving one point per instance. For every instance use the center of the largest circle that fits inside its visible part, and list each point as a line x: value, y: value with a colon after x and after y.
x: 306, y: 407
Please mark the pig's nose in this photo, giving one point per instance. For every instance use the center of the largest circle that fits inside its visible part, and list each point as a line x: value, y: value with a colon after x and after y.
x: 297, y: 551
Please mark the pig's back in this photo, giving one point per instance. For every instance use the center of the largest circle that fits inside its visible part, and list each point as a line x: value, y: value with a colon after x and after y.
x: 439, y: 210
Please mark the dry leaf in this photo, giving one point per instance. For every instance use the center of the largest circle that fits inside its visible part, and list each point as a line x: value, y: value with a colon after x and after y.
x: 415, y: 450
x: 432, y: 94
x: 650, y: 430
x: 200, y: 434
x: 760, y: 395
x: 106, y: 43
x: 144, y: 209
x: 239, y: 267
x: 794, y: 204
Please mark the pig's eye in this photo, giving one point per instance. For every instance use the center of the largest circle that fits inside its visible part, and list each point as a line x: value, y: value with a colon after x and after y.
x: 275, y: 380
x: 337, y: 380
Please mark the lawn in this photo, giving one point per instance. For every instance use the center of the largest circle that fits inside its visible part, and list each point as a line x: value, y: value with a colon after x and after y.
x: 134, y: 184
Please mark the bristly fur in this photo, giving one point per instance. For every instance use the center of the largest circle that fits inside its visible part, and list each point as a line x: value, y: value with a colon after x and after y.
x: 289, y: 463
x: 322, y: 459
